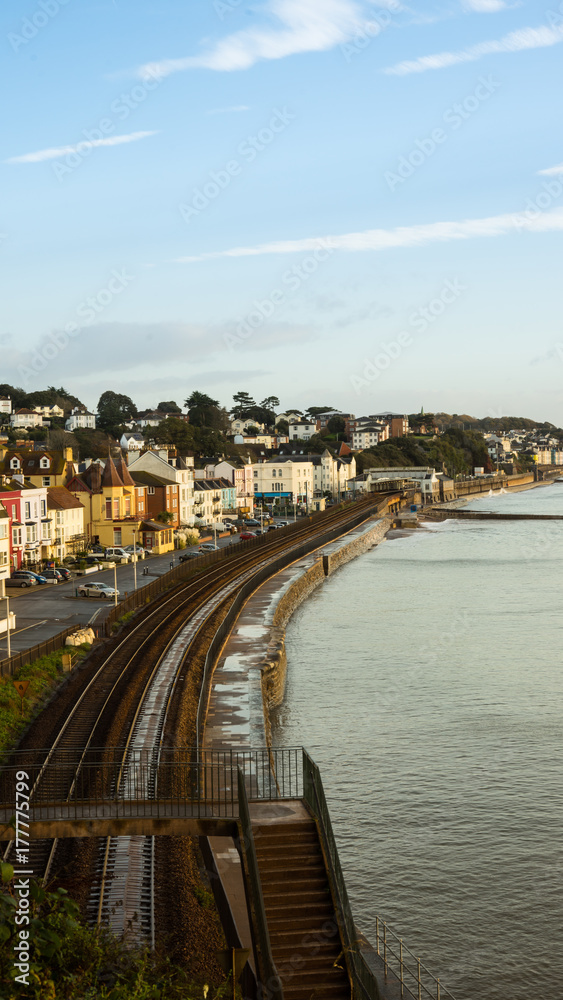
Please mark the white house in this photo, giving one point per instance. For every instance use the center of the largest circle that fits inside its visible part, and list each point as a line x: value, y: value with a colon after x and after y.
x: 302, y: 430
x: 240, y: 426
x: 50, y: 411
x: 4, y: 547
x: 168, y: 464
x: 24, y: 418
x: 65, y: 521
x: 425, y: 475
x: 80, y: 419
x: 132, y: 441
x: 369, y: 435
x: 292, y: 416
x: 240, y: 475
x: 290, y: 477
x: 5, y: 405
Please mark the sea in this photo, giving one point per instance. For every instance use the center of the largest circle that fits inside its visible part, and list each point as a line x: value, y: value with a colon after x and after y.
x: 425, y: 677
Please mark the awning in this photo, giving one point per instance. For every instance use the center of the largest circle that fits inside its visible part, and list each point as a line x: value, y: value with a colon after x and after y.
x: 30, y: 523
x: 46, y: 520
x: 18, y: 524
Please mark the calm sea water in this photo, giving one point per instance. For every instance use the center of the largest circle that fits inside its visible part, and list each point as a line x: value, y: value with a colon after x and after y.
x: 426, y: 678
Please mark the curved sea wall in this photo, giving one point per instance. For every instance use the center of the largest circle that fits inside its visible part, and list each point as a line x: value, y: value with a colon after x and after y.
x: 249, y: 678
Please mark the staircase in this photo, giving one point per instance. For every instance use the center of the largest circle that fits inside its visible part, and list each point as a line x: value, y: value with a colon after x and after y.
x: 303, y: 929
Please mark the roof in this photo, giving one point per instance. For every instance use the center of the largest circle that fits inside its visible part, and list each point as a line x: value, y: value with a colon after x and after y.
x: 30, y: 461
x: 59, y: 498
x: 110, y: 475
x: 124, y: 473
x: 153, y: 526
x: 147, y: 479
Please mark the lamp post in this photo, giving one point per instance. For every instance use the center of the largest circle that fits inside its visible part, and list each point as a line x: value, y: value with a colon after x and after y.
x: 115, y: 584
x: 135, y: 557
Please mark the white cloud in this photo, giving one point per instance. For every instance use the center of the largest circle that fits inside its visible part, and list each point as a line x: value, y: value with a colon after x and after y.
x: 485, y: 6
x: 552, y: 171
x: 404, y: 236
x: 516, y: 41
x: 52, y: 154
x: 303, y: 26
x: 226, y: 111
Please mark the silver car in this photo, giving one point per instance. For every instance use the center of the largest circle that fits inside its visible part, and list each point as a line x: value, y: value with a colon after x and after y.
x: 96, y: 590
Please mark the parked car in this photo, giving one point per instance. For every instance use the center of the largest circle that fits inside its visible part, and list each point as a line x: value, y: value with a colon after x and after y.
x: 96, y: 590
x: 138, y: 550
x: 22, y: 578
x: 245, y: 535
x: 40, y: 577
x: 252, y: 521
x: 208, y: 547
x: 186, y: 556
x: 274, y: 527
x: 54, y: 576
x: 117, y: 554
x: 93, y: 561
x: 65, y: 573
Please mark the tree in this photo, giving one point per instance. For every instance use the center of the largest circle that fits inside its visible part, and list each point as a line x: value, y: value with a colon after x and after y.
x: 314, y: 411
x: 204, y: 411
x: 336, y: 425
x: 169, y: 406
x: 176, y: 432
x: 115, y: 409
x: 244, y: 405
x: 165, y: 517
x: 282, y: 427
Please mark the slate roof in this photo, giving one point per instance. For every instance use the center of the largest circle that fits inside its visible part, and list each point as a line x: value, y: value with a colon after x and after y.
x: 59, y: 498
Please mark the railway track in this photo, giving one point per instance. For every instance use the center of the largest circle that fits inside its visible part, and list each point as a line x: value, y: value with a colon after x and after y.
x: 127, y: 703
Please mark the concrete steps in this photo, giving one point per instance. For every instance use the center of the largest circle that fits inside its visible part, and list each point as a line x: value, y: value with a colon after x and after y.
x: 303, y: 930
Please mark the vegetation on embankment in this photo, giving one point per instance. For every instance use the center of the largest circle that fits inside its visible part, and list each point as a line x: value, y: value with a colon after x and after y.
x: 43, y: 675
x: 458, y: 451
x: 69, y: 960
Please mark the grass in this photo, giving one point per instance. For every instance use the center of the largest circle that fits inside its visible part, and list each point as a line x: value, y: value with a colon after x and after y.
x: 43, y: 675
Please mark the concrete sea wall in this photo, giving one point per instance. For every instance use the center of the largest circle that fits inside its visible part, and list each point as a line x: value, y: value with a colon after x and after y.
x: 249, y: 678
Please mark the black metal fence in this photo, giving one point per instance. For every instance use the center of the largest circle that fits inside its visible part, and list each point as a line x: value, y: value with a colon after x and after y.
x: 9, y: 665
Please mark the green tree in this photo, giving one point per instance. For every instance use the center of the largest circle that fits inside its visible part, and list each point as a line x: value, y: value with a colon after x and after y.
x: 314, y: 411
x: 176, y: 432
x: 169, y: 406
x: 244, y: 406
x: 336, y: 425
x: 202, y: 409
x: 115, y: 409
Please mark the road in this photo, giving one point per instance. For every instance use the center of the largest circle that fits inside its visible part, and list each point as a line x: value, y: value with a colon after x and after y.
x: 46, y: 609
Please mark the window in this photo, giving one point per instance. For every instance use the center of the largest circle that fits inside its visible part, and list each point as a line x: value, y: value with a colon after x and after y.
x: 46, y: 481
x: 174, y: 501
x: 127, y: 506
x: 3, y: 558
x: 15, y: 463
x: 117, y: 536
x: 273, y: 472
x: 43, y: 508
x: 151, y: 491
x: 44, y: 463
x: 31, y: 533
x: 58, y: 517
x: 108, y: 510
x: 116, y: 508
x: 256, y: 473
x: 27, y: 511
x: 16, y: 536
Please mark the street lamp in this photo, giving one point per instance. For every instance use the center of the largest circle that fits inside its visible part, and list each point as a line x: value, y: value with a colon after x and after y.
x: 135, y: 557
x: 7, y: 599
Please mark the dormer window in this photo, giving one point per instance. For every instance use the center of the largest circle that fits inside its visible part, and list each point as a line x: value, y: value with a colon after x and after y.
x: 44, y: 463
x: 15, y: 463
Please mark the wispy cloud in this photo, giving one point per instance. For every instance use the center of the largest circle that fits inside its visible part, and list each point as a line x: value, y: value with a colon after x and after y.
x: 516, y: 41
x: 226, y: 111
x: 404, y: 236
x: 302, y: 26
x: 552, y: 171
x: 485, y: 6
x: 79, y: 147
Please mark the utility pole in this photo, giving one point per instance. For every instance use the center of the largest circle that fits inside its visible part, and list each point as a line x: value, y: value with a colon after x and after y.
x: 115, y: 584
x: 135, y: 556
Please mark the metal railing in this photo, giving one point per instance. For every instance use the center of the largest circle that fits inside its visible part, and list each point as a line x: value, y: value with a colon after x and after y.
x: 414, y: 979
x: 9, y: 665
x: 267, y: 972
x: 364, y: 982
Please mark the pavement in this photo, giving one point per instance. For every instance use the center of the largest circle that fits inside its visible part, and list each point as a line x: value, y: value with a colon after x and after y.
x: 45, y: 610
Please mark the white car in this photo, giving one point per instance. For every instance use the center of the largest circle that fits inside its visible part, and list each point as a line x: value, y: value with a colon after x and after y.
x: 96, y: 590
x: 117, y: 554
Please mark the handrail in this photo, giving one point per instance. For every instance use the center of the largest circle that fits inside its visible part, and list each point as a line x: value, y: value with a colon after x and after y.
x: 364, y: 983
x: 363, y: 978
x: 270, y: 983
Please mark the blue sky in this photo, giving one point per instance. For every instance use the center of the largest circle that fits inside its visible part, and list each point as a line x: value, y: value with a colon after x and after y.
x: 340, y: 202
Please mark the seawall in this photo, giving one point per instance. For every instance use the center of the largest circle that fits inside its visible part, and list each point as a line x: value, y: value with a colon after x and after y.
x: 249, y: 677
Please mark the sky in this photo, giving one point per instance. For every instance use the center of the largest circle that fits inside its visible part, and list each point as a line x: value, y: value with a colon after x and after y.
x: 346, y: 203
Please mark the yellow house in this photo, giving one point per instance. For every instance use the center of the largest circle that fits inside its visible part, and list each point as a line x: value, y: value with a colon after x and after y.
x: 40, y: 468
x: 115, y: 508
